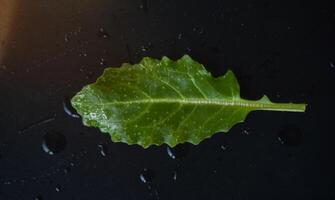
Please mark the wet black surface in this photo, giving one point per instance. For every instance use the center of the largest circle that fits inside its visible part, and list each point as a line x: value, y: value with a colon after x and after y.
x: 284, y: 50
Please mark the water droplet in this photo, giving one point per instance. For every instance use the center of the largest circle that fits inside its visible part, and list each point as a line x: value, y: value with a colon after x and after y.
x: 144, y: 6
x: 103, y: 33
x: 66, y: 38
x: 290, y: 135
x: 103, y: 149
x: 58, y: 188
x: 67, y: 170
x: 7, y: 182
x: 147, y: 175
x: 53, y: 143
x: 246, y: 132
x: 38, y: 197
x: 198, y: 30
x: 175, y: 175
x: 170, y: 153
x: 179, y: 151
x: 68, y: 109
x: 103, y: 62
x: 180, y: 36
x: 145, y: 48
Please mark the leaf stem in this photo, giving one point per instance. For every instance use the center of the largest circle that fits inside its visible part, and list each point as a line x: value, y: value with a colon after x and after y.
x: 287, y: 107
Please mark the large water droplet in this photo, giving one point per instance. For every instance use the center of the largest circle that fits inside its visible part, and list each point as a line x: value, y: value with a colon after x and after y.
x: 147, y: 175
x: 68, y: 109
x: 53, y: 142
x: 290, y: 135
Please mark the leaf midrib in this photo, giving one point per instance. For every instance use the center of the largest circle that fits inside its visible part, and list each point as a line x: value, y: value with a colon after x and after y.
x: 242, y: 103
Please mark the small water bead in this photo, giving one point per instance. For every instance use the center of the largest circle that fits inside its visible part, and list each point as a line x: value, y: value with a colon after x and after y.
x: 103, y: 62
x: 170, y: 153
x: 290, y: 135
x: 178, y: 152
x: 246, y: 132
x: 180, y: 36
x: 38, y: 197
x: 175, y: 175
x: 102, y: 149
x: 53, y: 142
x: 58, y: 188
x: 66, y: 170
x: 103, y: 33
x: 66, y: 38
x: 147, y: 175
x: 144, y: 6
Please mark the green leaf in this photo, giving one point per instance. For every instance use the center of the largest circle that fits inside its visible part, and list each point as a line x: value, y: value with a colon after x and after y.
x: 166, y: 101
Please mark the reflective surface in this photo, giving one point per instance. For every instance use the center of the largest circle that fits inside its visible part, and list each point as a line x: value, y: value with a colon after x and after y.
x: 283, y: 50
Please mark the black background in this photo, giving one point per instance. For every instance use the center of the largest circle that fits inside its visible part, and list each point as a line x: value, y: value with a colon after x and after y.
x: 284, y: 50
